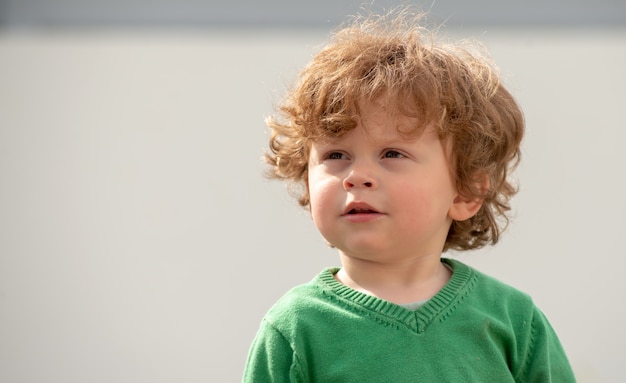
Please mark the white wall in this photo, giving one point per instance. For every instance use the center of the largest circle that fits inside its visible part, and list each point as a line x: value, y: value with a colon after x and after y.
x: 139, y: 241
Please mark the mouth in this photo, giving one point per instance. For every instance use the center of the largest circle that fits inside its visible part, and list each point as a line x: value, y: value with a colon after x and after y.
x: 360, y: 208
x: 361, y: 211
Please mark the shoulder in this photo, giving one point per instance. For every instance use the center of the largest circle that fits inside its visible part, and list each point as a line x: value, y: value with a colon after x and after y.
x: 300, y: 302
x: 502, y: 305
x: 485, y: 296
x: 275, y: 354
x: 490, y: 289
x: 510, y: 319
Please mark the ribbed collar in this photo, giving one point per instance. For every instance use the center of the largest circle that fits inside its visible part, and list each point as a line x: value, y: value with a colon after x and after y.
x: 461, y: 282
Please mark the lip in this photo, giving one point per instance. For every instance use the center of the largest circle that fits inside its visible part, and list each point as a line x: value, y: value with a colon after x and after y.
x: 360, y: 212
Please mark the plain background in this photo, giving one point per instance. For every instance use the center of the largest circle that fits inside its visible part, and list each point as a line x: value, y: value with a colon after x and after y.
x: 139, y: 241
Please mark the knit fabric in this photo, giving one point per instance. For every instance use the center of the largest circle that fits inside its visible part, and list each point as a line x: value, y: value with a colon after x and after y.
x: 476, y: 329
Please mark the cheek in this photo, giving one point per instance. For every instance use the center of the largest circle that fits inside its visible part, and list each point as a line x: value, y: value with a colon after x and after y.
x: 323, y: 198
x: 320, y: 196
x: 421, y: 203
x: 409, y: 194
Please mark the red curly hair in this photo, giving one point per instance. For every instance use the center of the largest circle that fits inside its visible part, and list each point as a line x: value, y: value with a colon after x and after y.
x: 448, y: 85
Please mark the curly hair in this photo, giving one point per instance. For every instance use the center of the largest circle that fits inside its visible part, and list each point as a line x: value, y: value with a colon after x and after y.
x: 451, y: 86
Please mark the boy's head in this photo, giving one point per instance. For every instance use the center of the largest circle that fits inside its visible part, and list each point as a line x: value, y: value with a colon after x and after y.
x: 445, y: 86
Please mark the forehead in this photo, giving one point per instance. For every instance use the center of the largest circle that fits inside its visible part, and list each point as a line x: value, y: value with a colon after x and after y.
x: 383, y: 118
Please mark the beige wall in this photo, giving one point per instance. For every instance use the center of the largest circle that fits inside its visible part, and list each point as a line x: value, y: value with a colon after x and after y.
x: 140, y: 243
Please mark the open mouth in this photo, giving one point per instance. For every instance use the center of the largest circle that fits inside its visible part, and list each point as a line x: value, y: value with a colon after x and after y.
x: 361, y: 211
x: 356, y: 208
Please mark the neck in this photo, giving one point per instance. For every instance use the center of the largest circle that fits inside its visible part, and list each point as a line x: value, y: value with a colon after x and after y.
x: 401, y: 283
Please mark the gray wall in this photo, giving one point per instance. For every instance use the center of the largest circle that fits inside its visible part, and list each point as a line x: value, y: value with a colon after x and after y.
x: 252, y: 13
x: 139, y: 241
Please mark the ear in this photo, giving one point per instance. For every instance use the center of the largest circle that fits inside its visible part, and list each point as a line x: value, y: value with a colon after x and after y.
x: 463, y: 207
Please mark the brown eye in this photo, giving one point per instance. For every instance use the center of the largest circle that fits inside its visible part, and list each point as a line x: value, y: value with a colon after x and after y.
x: 392, y: 154
x: 335, y: 156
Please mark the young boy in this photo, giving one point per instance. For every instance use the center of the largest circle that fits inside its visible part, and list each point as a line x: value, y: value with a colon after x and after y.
x: 403, y: 149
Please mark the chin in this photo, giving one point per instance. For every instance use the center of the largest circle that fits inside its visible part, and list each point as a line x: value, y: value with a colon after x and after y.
x: 362, y: 251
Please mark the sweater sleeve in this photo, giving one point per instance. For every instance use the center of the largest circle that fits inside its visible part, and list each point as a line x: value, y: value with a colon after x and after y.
x: 271, y: 358
x: 545, y: 360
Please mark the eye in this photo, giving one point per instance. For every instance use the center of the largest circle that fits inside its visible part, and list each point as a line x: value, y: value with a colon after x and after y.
x: 336, y: 156
x: 392, y: 154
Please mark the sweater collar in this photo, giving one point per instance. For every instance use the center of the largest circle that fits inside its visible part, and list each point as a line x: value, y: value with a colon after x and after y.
x: 438, y: 306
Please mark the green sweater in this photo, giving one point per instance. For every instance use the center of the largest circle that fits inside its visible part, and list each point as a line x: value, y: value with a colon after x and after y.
x: 475, y: 329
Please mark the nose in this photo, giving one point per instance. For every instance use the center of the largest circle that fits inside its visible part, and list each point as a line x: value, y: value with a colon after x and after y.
x: 359, y: 178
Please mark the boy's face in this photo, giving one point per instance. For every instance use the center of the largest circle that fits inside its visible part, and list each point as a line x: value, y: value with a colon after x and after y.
x: 376, y: 195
